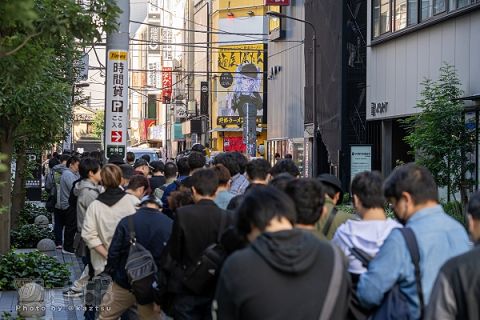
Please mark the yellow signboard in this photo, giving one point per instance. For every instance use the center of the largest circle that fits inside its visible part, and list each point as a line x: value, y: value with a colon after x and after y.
x: 241, y: 80
x: 118, y: 55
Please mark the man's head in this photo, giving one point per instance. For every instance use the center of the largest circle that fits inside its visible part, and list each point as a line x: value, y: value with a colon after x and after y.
x: 367, y: 191
x: 285, y: 165
x: 127, y: 173
x: 111, y: 176
x: 229, y: 161
x: 145, y: 157
x: 73, y: 163
x: 196, y: 160
x: 223, y: 174
x: 409, y: 188
x: 281, y: 181
x: 138, y: 186
x: 241, y: 160
x: 64, y: 158
x: 199, y: 148
x: 141, y: 165
x: 260, y: 208
x: 157, y: 167
x: 90, y: 169
x: 332, y: 186
x: 183, y: 167
x: 170, y: 170
x: 150, y: 201
x: 308, y: 196
x: 258, y: 171
x: 288, y: 156
x: 474, y: 216
x: 130, y: 157
x: 204, y: 184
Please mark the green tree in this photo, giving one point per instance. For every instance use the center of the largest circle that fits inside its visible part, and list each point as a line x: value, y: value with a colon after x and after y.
x: 99, y: 124
x: 37, y: 73
x: 439, y: 135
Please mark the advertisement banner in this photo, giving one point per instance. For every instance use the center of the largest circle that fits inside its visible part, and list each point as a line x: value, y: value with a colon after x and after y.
x: 241, y: 81
x: 166, y: 84
x: 234, y: 144
x: 360, y: 159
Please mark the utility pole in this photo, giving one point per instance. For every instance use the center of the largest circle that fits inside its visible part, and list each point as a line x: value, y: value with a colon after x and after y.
x: 116, y: 86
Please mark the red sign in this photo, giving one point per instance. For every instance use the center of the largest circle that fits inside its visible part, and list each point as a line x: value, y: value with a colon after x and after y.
x: 166, y: 83
x: 233, y: 144
x: 144, y: 126
x: 277, y: 2
x: 117, y: 136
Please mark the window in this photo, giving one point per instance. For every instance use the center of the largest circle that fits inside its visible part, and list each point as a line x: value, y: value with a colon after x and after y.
x: 376, y: 18
x: 463, y: 3
x: 412, y: 15
x: 426, y: 9
x: 384, y: 16
x: 439, y: 6
x: 400, y: 14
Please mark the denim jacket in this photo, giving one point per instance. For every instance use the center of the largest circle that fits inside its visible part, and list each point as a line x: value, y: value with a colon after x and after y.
x: 439, y: 238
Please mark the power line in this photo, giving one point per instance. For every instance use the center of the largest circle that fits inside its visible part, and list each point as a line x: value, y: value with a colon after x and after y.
x: 181, y: 71
x: 285, y: 50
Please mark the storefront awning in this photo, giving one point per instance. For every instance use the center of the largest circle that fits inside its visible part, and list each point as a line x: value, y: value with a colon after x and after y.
x: 231, y: 130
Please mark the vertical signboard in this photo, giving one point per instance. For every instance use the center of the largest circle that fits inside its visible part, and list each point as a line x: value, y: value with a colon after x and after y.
x: 116, y: 103
x: 204, y: 98
x: 33, y: 183
x: 166, y: 84
x: 360, y: 159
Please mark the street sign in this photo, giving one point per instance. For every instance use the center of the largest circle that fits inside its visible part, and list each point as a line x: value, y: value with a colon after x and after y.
x: 204, y: 98
x: 116, y: 102
x: 277, y: 2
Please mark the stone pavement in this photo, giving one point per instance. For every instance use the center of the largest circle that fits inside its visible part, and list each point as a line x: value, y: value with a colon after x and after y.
x: 57, y: 306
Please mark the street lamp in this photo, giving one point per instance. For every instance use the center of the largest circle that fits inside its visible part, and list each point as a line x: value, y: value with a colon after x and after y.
x: 315, y: 121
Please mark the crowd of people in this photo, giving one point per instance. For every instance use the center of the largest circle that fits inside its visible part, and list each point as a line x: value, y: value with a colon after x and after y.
x: 239, y: 239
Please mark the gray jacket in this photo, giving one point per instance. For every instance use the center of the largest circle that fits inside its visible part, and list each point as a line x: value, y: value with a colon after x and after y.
x: 66, y: 184
x: 87, y: 192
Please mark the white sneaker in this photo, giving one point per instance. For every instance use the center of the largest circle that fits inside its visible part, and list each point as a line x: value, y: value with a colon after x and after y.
x: 68, y: 252
x: 72, y: 293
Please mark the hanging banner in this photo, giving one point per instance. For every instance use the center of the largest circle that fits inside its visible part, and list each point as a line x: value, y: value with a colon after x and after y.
x: 116, y: 103
x: 166, y: 84
x: 241, y: 82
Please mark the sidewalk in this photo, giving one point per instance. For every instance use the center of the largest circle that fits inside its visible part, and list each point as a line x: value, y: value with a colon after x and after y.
x: 57, y: 306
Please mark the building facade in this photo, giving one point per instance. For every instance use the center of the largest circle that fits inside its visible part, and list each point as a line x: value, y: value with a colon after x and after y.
x: 408, y: 42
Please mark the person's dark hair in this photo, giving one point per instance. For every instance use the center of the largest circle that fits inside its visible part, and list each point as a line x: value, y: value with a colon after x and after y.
x: 146, y: 157
x: 86, y: 154
x: 474, y: 206
x: 157, y: 166
x: 367, y: 186
x: 196, y: 160
x: 179, y: 199
x: 288, y: 156
x: 277, y: 155
x: 330, y: 190
x: 285, y: 165
x: 97, y: 155
x: 130, y: 157
x: 72, y: 160
x: 241, y: 160
x: 87, y: 165
x: 170, y: 170
x: 222, y: 173
x: 260, y: 206
x: 309, y: 198
x: 205, y: 182
x: 138, y: 181
x: 183, y: 167
x: 229, y: 161
x: 414, y: 179
x: 235, y: 202
x: 258, y: 169
x: 53, y: 162
x: 55, y: 154
x: 64, y: 157
x: 280, y: 181
x: 127, y: 171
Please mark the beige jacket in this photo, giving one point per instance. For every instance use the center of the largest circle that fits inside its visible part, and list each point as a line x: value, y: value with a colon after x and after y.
x: 100, y: 224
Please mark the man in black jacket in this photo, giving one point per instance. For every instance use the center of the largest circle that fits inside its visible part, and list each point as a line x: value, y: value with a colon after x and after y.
x: 285, y: 273
x: 456, y: 293
x: 195, y: 228
x: 152, y: 231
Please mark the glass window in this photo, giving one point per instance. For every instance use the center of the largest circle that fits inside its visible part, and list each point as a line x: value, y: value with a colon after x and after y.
x: 463, y: 3
x: 439, y: 6
x: 384, y: 16
x: 412, y: 12
x: 376, y: 18
x: 400, y: 14
x: 426, y: 9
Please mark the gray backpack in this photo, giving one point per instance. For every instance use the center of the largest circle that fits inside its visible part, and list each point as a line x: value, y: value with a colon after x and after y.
x: 141, y: 268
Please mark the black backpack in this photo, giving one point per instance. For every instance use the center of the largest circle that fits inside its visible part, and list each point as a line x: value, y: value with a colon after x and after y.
x: 141, y: 268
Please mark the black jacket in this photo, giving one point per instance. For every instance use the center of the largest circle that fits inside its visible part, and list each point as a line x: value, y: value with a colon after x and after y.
x: 195, y: 227
x: 456, y: 293
x: 152, y: 230
x: 282, y: 275
x: 157, y: 182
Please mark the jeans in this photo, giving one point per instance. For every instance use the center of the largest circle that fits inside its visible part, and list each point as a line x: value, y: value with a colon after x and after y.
x: 70, y: 222
x: 190, y: 307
